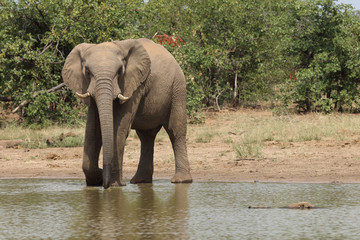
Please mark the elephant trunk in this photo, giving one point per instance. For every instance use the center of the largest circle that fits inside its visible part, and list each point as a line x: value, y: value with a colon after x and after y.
x: 104, y: 102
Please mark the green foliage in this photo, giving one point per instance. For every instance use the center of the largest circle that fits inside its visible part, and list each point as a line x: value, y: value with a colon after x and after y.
x: 328, y: 56
x: 59, y: 107
x: 231, y: 51
x: 35, y: 38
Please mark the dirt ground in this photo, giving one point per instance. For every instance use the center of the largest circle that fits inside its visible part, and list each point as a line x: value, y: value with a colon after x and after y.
x: 215, y: 160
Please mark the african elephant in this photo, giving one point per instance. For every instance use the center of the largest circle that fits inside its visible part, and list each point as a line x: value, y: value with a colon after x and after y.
x: 144, y: 215
x: 128, y: 84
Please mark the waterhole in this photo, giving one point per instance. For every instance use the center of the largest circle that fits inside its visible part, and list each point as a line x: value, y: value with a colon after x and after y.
x: 67, y: 209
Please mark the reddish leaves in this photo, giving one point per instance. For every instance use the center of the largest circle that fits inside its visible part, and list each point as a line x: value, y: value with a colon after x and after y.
x: 170, y: 40
x: 293, y: 76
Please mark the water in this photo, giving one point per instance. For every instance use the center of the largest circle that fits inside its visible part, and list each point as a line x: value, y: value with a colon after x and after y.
x: 66, y: 209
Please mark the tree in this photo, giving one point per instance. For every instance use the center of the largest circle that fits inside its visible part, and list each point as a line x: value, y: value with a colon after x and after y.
x: 35, y: 38
x: 325, y: 39
x: 231, y: 51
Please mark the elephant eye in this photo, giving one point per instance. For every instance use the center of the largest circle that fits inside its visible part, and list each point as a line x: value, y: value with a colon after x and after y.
x: 87, y: 72
x: 121, y: 70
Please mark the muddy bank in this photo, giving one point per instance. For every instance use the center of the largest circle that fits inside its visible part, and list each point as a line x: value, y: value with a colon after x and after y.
x: 212, y: 155
x: 312, y: 162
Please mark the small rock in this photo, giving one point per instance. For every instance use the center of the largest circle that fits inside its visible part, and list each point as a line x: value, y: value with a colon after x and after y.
x: 49, y: 141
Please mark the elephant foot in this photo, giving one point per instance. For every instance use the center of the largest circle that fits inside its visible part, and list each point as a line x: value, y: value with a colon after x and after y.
x: 137, y: 179
x: 181, y: 177
x: 94, y: 178
x: 118, y: 183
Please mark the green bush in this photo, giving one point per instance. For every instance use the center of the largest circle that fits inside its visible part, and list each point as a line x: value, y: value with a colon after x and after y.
x: 231, y: 51
x: 36, y: 37
x: 328, y: 48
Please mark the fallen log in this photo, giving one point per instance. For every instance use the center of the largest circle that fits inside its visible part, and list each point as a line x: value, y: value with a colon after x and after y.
x: 299, y: 205
x: 35, y: 94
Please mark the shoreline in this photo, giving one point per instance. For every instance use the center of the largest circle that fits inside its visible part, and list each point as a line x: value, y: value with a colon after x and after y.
x: 197, y: 177
x: 309, y: 151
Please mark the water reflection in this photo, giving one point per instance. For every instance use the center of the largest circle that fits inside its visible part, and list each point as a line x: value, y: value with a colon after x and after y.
x: 138, y: 214
x: 66, y: 209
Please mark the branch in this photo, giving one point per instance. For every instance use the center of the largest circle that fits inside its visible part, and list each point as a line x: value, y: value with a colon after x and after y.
x: 217, y: 99
x: 47, y: 46
x: 35, y: 94
x: 54, y: 89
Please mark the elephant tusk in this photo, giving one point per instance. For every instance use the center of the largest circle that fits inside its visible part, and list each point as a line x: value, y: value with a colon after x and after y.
x: 82, y: 96
x: 122, y: 97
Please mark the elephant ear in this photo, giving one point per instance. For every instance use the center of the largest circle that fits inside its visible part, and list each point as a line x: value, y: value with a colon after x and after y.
x: 137, y: 65
x: 72, y: 70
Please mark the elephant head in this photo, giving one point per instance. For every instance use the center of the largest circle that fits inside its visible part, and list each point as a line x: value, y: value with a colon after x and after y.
x: 105, y: 72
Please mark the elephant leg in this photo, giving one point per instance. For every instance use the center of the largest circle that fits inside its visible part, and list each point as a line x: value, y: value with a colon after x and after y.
x: 92, y: 146
x: 123, y: 117
x: 117, y: 173
x: 176, y: 129
x: 145, y: 169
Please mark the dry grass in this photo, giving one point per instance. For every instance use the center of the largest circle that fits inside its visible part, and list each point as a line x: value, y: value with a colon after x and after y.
x: 42, y: 138
x: 245, y: 131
